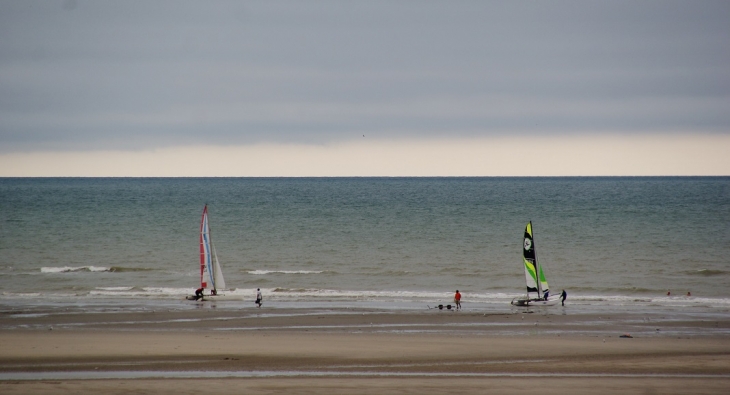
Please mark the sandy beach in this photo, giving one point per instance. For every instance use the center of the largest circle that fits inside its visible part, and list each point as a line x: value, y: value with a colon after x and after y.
x: 360, y: 352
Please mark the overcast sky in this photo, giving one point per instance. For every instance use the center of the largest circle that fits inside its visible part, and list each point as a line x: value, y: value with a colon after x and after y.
x: 79, y: 78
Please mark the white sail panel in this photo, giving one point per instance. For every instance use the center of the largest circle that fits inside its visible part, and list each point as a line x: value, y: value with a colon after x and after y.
x: 530, y: 276
x: 218, y: 280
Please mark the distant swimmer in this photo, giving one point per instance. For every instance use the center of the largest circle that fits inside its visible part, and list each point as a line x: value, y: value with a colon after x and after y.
x: 563, y: 296
x: 669, y: 293
x: 689, y: 293
x: 457, y: 300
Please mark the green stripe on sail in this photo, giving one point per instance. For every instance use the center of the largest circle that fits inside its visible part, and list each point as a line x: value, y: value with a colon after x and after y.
x: 530, y: 268
x: 543, y: 280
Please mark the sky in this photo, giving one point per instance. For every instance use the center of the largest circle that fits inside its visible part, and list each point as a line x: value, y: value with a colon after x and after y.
x: 368, y: 88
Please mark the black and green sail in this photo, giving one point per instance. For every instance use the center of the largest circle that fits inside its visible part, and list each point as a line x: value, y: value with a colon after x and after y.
x: 532, y: 267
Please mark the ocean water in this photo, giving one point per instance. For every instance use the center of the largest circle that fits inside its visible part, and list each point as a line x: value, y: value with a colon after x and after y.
x: 609, y: 241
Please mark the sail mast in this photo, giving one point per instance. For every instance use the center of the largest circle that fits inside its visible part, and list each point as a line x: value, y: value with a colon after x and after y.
x: 537, y: 265
x: 211, y: 261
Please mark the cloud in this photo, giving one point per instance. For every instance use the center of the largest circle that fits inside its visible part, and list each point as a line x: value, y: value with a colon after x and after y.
x: 86, y: 76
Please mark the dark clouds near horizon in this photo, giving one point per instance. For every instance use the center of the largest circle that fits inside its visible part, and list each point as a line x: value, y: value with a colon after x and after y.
x: 79, y: 75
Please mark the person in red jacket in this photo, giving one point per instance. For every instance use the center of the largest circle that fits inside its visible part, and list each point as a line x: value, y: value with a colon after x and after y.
x: 457, y: 300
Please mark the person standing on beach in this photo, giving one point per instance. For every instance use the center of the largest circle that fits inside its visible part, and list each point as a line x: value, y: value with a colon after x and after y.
x: 258, y: 297
x: 457, y: 300
x: 563, y: 296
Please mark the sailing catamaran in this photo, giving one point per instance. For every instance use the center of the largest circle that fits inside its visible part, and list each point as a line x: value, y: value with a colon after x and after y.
x: 211, y: 276
x: 532, y: 268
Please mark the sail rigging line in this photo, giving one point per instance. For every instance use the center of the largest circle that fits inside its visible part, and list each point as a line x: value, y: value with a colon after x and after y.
x: 204, y: 247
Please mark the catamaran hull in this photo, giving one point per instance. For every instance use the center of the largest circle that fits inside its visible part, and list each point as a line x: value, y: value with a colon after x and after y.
x: 534, y: 302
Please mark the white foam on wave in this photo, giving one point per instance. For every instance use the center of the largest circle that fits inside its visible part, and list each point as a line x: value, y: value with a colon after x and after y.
x: 115, y: 289
x: 141, y: 292
x: 71, y: 269
x: 317, y: 295
x: 668, y: 300
x: 262, y: 272
x: 476, y: 297
x: 20, y: 294
x: 384, y: 295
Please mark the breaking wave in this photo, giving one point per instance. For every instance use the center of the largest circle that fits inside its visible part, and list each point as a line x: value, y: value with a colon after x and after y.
x: 262, y: 272
x: 129, y: 269
x: 707, y: 272
x: 70, y: 269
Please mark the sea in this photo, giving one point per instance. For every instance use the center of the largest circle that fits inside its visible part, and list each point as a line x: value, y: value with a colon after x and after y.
x: 613, y: 243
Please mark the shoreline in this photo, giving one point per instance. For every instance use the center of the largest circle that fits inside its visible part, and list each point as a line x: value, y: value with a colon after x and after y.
x: 204, y: 316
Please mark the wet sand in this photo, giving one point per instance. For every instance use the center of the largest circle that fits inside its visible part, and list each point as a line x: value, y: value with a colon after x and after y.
x: 360, y: 352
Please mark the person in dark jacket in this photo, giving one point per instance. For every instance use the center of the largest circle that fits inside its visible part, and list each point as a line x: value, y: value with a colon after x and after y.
x: 259, y: 298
